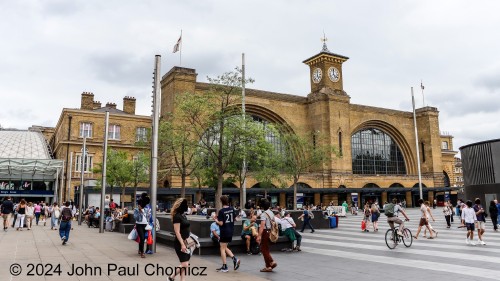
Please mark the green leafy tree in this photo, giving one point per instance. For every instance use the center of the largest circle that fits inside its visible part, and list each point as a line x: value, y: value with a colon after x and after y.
x: 118, y: 170
x: 259, y: 154
x: 215, y: 120
x: 140, y: 171
x: 179, y: 138
x: 304, y: 155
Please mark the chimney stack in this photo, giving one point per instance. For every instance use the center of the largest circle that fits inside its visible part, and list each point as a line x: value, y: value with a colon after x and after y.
x: 129, y: 105
x: 111, y: 105
x: 87, y: 101
x: 97, y: 104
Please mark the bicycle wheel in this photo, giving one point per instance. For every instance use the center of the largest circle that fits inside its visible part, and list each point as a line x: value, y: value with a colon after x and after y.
x: 389, y: 239
x: 407, y: 237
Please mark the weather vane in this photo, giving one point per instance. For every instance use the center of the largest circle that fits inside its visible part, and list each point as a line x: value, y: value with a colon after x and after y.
x: 324, y: 39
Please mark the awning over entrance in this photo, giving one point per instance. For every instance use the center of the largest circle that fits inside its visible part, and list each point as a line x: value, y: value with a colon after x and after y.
x: 29, y: 169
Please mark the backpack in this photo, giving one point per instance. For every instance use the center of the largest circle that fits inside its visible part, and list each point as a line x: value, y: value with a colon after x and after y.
x: 389, y: 210
x: 274, y: 233
x: 66, y: 214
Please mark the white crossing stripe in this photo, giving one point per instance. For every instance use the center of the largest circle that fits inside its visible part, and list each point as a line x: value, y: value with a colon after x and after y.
x: 348, y: 241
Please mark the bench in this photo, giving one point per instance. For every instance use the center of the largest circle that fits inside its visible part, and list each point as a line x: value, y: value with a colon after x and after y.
x: 208, y: 247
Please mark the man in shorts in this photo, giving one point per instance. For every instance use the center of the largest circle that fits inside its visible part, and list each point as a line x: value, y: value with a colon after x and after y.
x: 480, y: 220
x: 423, y: 219
x: 468, y: 219
x: 394, y: 218
x: 225, y: 219
x: 6, y: 210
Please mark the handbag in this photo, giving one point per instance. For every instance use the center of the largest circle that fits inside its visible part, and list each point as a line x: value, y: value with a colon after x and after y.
x: 57, y: 214
x: 148, y: 227
x: 133, y: 234
x: 150, y: 238
x: 189, y: 242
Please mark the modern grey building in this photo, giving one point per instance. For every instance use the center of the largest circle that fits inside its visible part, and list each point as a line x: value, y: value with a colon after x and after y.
x: 481, y: 170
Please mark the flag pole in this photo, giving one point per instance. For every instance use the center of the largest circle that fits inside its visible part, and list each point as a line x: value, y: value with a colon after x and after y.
x: 180, y: 51
x: 416, y: 145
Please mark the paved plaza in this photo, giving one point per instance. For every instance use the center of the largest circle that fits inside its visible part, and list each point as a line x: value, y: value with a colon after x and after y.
x: 344, y: 253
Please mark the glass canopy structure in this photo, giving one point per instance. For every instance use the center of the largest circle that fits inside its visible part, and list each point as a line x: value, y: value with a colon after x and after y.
x: 26, y: 166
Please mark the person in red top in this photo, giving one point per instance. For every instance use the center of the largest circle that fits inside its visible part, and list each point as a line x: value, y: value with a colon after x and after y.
x: 112, y: 205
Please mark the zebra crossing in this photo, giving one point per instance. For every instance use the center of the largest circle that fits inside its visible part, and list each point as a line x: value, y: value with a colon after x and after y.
x: 447, y: 254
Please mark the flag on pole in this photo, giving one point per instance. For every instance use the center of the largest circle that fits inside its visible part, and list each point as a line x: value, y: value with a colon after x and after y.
x: 421, y: 85
x: 177, y: 45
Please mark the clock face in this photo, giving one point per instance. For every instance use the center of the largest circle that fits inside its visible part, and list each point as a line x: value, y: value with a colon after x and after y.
x: 333, y: 74
x: 316, y: 75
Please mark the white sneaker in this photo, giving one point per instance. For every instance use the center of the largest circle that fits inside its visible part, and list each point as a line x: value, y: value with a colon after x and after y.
x: 482, y: 242
x: 467, y: 241
x: 472, y: 243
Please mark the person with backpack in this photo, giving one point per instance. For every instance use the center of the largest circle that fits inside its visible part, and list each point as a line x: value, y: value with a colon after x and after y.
x: 307, y: 216
x: 391, y: 211
x: 65, y: 226
x: 225, y: 220
x: 266, y: 224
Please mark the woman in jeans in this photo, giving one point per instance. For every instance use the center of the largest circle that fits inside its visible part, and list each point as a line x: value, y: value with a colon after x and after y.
x: 141, y: 220
x: 21, y: 213
x: 181, y: 230
x: 30, y: 214
x: 263, y: 237
x: 53, y: 219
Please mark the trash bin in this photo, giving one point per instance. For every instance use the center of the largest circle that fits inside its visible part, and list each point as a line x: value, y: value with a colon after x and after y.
x: 333, y: 222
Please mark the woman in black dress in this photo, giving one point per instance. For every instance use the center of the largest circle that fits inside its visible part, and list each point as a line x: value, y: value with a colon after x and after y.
x: 181, y: 229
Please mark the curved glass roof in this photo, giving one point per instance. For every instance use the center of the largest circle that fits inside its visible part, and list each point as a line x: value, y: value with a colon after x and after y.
x: 23, y: 145
x: 24, y: 155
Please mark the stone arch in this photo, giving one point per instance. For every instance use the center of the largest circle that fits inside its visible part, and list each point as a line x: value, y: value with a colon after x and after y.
x: 302, y: 185
x: 371, y: 184
x: 397, y: 136
x: 268, y: 115
x: 258, y: 185
x: 446, y: 179
x: 423, y: 185
x: 396, y: 184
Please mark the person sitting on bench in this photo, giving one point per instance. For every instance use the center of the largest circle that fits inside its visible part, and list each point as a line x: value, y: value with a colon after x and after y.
x: 249, y: 232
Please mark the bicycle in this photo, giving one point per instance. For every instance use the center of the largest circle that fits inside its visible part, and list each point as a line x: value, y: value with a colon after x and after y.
x: 392, y: 239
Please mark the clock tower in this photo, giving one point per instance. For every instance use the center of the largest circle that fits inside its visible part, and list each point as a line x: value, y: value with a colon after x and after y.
x: 326, y: 70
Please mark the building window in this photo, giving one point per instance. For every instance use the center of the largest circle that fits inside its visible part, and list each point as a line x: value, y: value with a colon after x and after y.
x: 340, y: 143
x: 422, y: 148
x: 375, y: 152
x: 140, y: 134
x: 114, y: 132
x: 444, y: 145
x: 85, y: 130
x: 87, y: 166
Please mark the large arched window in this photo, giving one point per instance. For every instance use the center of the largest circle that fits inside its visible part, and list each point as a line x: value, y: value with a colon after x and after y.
x: 375, y: 152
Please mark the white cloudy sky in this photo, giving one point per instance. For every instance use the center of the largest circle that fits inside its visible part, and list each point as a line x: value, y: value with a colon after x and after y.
x: 53, y: 50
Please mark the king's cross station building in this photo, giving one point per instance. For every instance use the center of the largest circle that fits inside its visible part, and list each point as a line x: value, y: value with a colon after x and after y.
x: 377, y: 149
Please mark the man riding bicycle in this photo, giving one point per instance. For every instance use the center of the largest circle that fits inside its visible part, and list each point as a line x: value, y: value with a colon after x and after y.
x: 392, y: 210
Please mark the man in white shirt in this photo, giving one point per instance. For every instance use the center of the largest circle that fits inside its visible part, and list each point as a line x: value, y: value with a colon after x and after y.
x: 288, y: 222
x: 468, y: 219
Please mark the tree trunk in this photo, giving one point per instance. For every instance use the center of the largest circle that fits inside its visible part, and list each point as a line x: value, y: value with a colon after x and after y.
x: 134, y: 195
x: 183, y: 185
x: 123, y: 195
x: 218, y: 192
x: 294, y: 194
